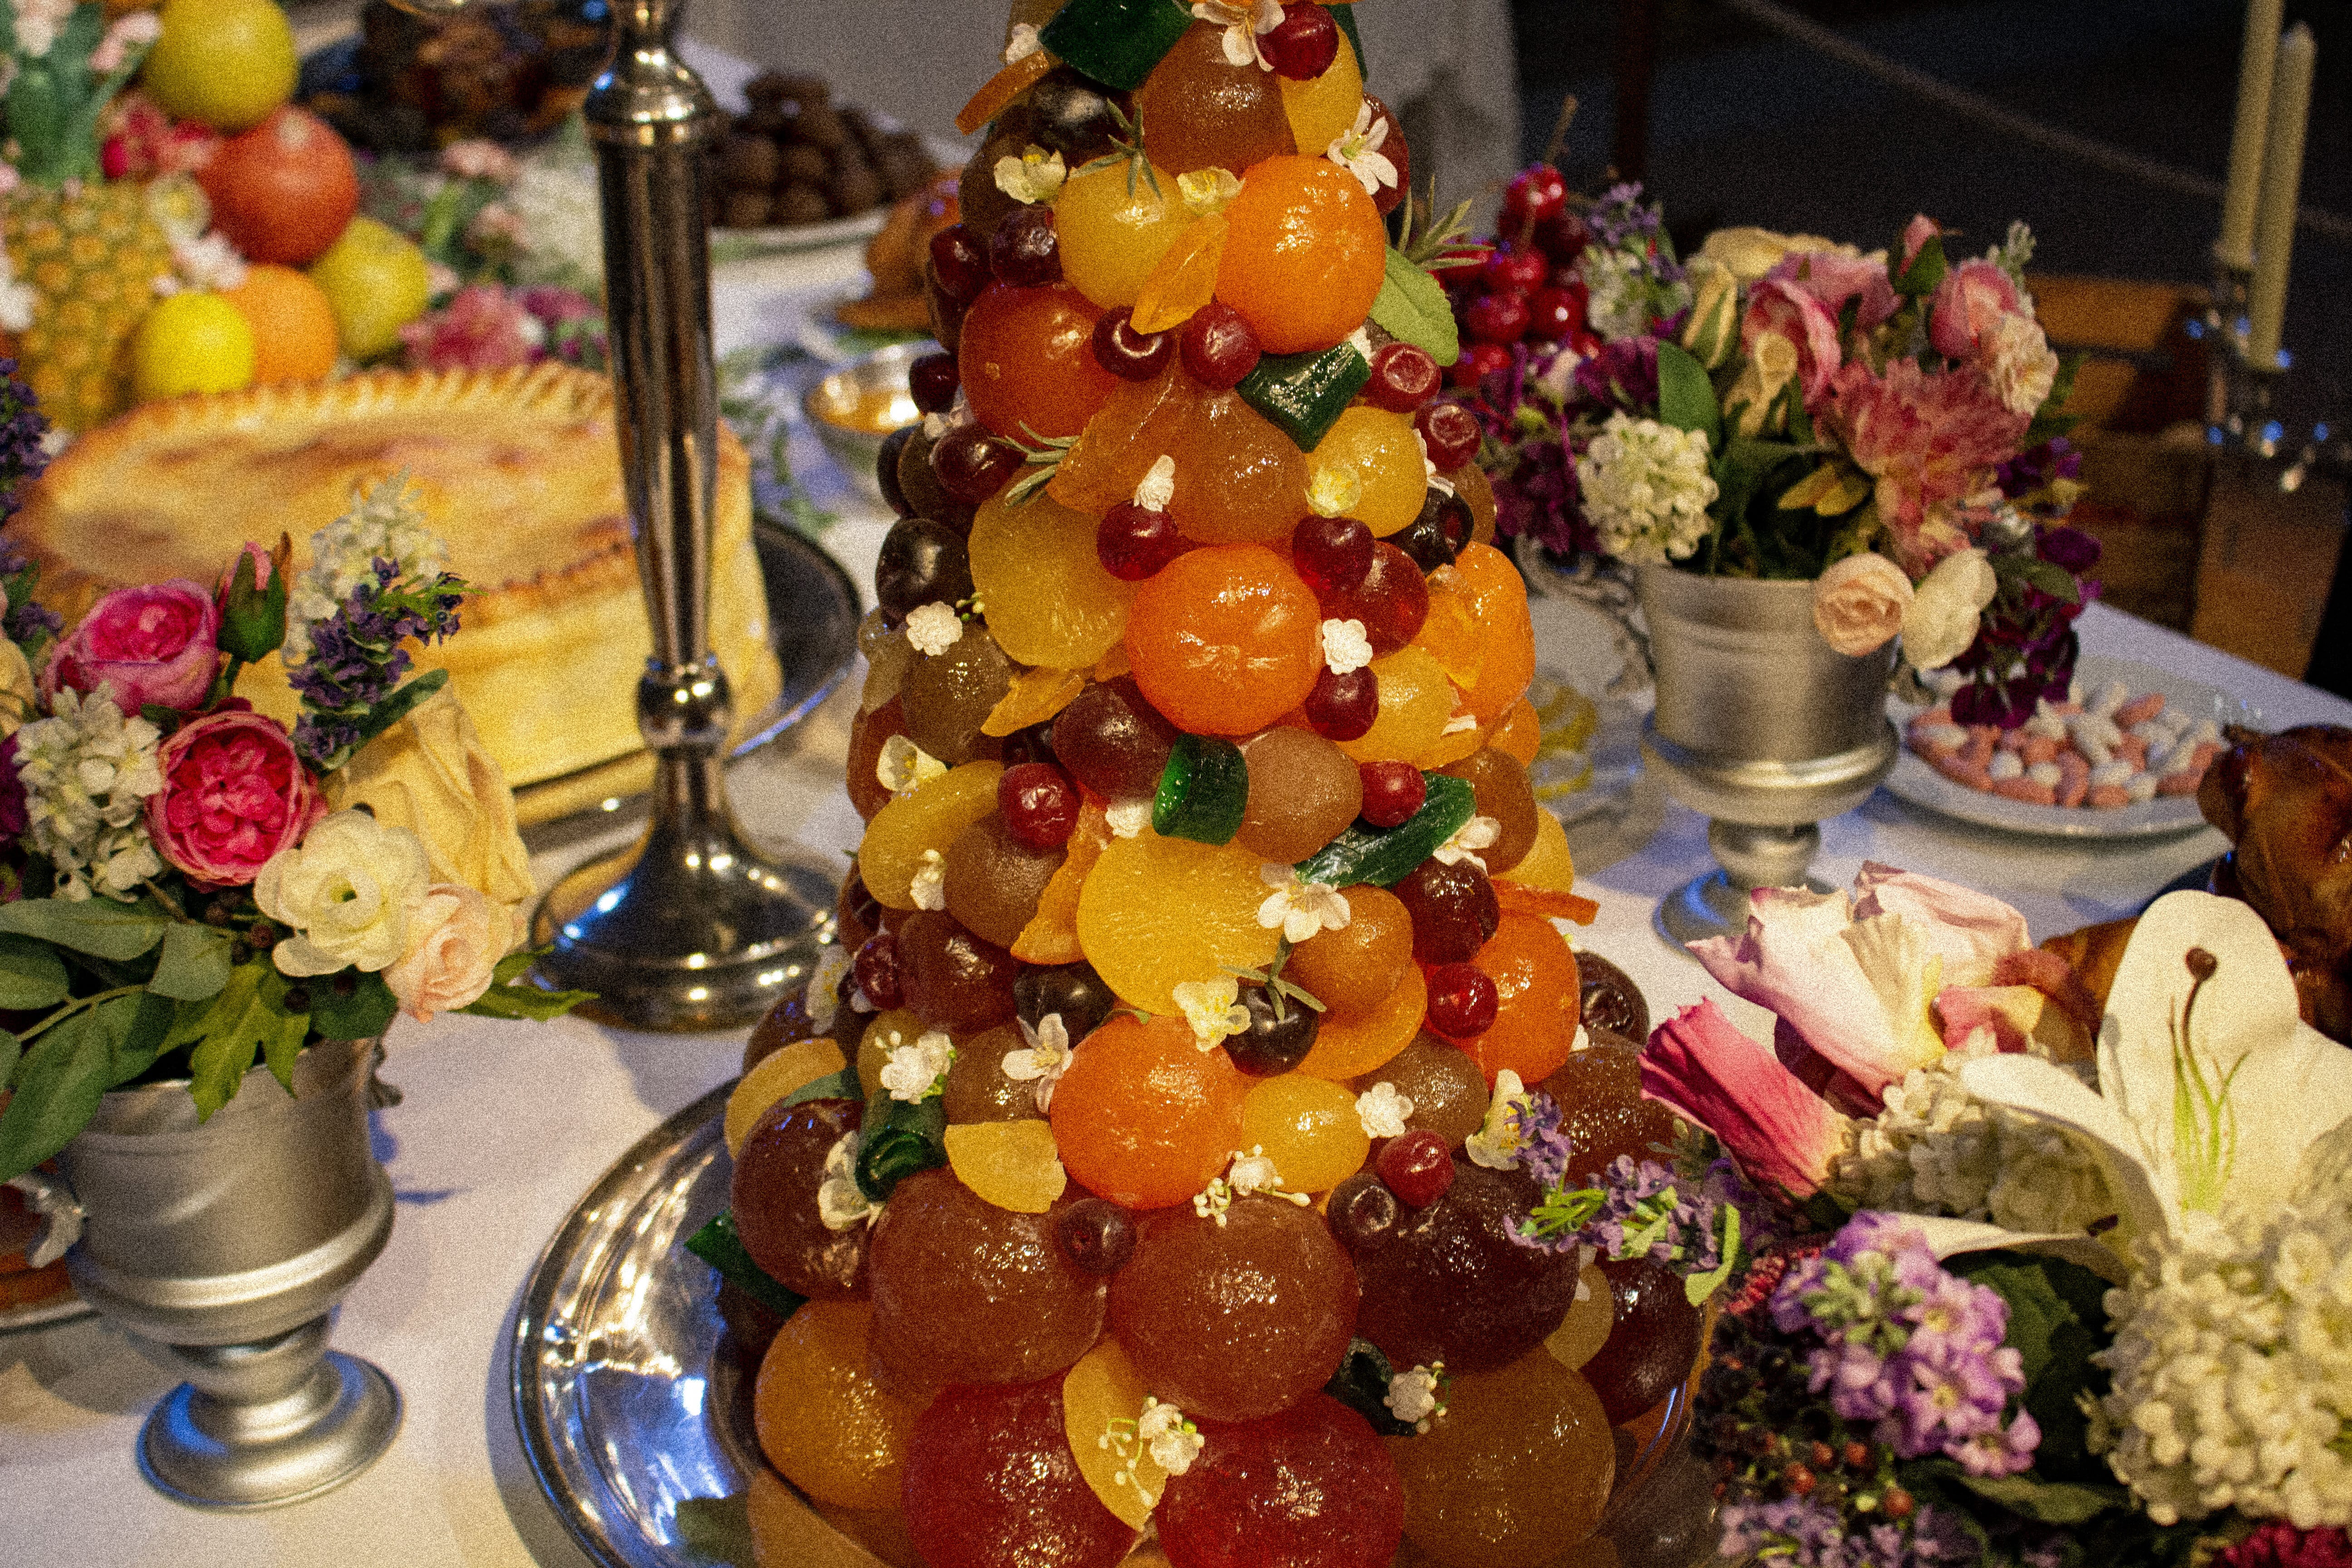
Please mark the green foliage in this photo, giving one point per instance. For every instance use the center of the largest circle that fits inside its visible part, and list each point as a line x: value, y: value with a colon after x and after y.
x: 361, y: 1014
x: 1925, y: 272
x: 513, y: 996
x: 2057, y: 1319
x: 192, y: 964
x: 99, y: 927
x: 1686, y: 395
x: 253, y: 619
x: 32, y: 976
x: 1411, y: 307
x: 58, y: 1083
x: 248, y: 1018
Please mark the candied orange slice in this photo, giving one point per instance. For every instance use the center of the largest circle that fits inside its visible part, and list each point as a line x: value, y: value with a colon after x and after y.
x: 1346, y: 1048
x: 1002, y: 88
x: 1013, y: 1164
x: 1186, y: 278
x: 1034, y: 696
x: 1514, y: 899
x: 1052, y: 934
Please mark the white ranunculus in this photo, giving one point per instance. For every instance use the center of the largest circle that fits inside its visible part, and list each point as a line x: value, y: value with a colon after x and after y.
x: 349, y: 890
x: 456, y: 941
x: 1941, y: 620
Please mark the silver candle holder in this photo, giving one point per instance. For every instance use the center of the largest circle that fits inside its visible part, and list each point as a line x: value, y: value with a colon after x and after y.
x: 694, y: 926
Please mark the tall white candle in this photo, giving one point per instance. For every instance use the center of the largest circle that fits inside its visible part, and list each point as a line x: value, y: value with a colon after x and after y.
x: 2236, y: 245
x: 2282, y: 187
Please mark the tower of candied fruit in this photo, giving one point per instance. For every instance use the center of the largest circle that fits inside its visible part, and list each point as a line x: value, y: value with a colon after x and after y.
x: 1202, y: 900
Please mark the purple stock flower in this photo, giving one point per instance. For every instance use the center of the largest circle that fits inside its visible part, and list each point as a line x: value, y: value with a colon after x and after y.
x: 1544, y: 1149
x: 1622, y: 374
x: 358, y: 655
x: 1619, y: 220
x: 1804, y: 1533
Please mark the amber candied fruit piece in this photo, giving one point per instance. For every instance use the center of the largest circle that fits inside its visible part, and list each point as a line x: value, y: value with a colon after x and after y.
x: 1602, y: 1110
x: 1145, y: 1117
x: 1448, y: 1092
x: 1310, y: 1487
x: 1303, y: 794
x: 1225, y: 640
x: 1535, y: 980
x: 1235, y: 1321
x: 820, y: 1417
x: 1156, y: 913
x: 953, y: 979
x: 773, y: 1191
x: 1516, y: 1471
x: 1199, y: 111
x: 1352, y: 970
x: 1652, y: 1338
x: 991, y: 1482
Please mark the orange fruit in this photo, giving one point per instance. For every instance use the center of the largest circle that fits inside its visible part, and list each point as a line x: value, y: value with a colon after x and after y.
x: 1225, y: 640
x: 293, y: 324
x: 1304, y: 254
x: 284, y: 190
x: 1535, y: 1018
x: 1144, y: 1116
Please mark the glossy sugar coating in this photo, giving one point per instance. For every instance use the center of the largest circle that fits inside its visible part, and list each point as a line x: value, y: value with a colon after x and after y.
x: 1234, y: 1321
x: 991, y: 1482
x: 1013, y: 1164
x: 1653, y: 1339
x: 1534, y: 1019
x: 774, y: 1192
x: 993, y: 881
x: 1049, y: 600
x: 1308, y: 1128
x: 954, y: 980
x: 1310, y: 1487
x: 1115, y: 225
x: 1324, y: 109
x: 1516, y: 1472
x: 965, y: 1291
x: 1145, y: 1117
x: 1347, y: 1046
x: 978, y: 1089
x: 1201, y: 111
x: 820, y: 1417
x: 1303, y: 794
x: 946, y: 697
x: 1304, y: 257
x: 1225, y: 640
x: 1601, y: 1111
x: 929, y: 819
x: 1352, y: 970
x: 1102, y: 1397
x: 1028, y: 362
x: 1586, y: 1327
x: 1448, y: 1092
x: 1158, y: 913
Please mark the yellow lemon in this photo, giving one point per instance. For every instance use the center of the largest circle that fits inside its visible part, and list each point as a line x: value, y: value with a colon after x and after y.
x: 191, y: 342
x: 376, y: 282
x: 223, y: 63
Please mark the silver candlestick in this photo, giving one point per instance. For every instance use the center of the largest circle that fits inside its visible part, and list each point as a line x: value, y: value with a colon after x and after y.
x: 694, y: 926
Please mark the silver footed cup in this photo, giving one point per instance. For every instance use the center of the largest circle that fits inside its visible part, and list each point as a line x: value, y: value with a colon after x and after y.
x: 221, y: 1249
x: 1760, y: 725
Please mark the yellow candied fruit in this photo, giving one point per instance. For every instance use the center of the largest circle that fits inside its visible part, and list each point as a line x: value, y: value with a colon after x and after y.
x: 1156, y: 913
x: 1308, y: 1128
x: 1324, y: 109
x: 904, y: 831
x: 1101, y: 1398
x: 1114, y: 225
x: 819, y: 1417
x: 1416, y: 704
x: 1548, y: 865
x: 1385, y: 452
x: 1186, y: 278
x: 1586, y: 1327
x: 1049, y: 600
x: 782, y: 1072
x: 1034, y: 696
x: 1013, y: 1164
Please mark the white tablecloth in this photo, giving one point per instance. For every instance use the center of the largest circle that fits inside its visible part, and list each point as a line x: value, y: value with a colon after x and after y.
x: 505, y: 1125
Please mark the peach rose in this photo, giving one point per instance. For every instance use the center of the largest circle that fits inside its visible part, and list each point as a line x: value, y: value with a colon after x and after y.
x: 456, y: 938
x: 1859, y: 603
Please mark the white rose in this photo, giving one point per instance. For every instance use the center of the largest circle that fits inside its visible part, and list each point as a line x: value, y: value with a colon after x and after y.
x: 2020, y: 363
x: 1941, y: 620
x: 351, y: 890
x: 456, y: 939
x: 1860, y: 602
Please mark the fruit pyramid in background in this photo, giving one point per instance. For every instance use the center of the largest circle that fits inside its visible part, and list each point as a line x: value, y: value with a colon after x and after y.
x: 1202, y: 896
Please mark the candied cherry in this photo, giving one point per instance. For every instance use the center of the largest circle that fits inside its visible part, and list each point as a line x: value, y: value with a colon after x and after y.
x: 1097, y: 1235
x: 1404, y: 377
x: 1393, y: 792
x: 1435, y: 537
x: 1498, y: 317
x: 1330, y: 552
x: 1039, y: 803
x: 1344, y: 707
x: 1556, y: 314
x: 1218, y: 348
x: 1305, y: 43
x: 1280, y: 1033
x: 875, y: 968
x: 886, y: 468
x: 1533, y: 194
x: 931, y: 382
x: 960, y: 264
x: 1462, y: 1001
x: 1453, y: 908
x: 1451, y: 432
x: 1478, y: 361
x: 1514, y: 268
x: 1418, y: 1167
x: 921, y: 563
x: 1127, y: 353
x: 1362, y: 1213
x: 1073, y: 991
x: 1135, y: 541
x: 1392, y: 599
x: 1112, y: 739
x: 1026, y: 250
x: 973, y: 465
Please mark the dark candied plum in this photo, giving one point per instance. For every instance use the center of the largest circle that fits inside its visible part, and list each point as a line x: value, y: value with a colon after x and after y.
x: 774, y: 1193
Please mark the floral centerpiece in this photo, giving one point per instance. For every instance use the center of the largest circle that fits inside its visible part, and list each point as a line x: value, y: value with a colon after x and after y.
x: 2006, y: 1274
x: 187, y: 886
x: 1886, y: 426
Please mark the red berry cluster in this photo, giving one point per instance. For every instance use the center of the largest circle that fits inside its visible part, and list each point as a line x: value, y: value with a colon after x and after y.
x: 1527, y: 288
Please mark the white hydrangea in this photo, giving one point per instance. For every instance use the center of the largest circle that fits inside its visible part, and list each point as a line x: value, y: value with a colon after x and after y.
x: 384, y: 523
x: 87, y: 771
x: 561, y: 215
x: 1646, y: 490
x: 2232, y: 1367
x: 1936, y: 1149
x: 1621, y: 297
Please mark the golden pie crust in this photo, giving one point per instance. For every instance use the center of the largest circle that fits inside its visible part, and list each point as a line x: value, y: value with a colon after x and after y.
x: 519, y: 470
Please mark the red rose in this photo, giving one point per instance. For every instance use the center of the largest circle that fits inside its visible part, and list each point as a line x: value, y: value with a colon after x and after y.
x: 234, y: 795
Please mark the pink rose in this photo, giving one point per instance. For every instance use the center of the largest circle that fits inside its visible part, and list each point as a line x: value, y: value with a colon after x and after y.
x: 1834, y: 278
x: 1928, y: 440
x: 1701, y: 1067
x: 1778, y: 306
x: 482, y: 328
x: 234, y: 795
x: 263, y: 570
x: 1916, y: 234
x: 1858, y: 603
x: 1968, y: 304
x: 457, y: 938
x: 153, y: 645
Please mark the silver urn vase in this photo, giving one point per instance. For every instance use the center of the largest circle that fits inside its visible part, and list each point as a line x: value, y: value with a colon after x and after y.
x: 222, y: 1247
x: 1760, y: 725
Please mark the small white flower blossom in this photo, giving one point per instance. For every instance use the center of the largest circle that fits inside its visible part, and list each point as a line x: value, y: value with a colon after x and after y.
x: 821, y: 1001
x: 38, y: 21
x: 1357, y: 151
x: 840, y: 1201
x: 1044, y: 1060
x: 1244, y: 25
x: 1382, y: 1111
x: 905, y: 767
x: 1334, y: 489
x: 927, y: 887
x: 132, y: 30
x: 1129, y: 818
x: 386, y: 522
x: 1157, y: 488
x: 1497, y: 1143
x: 1213, y: 1009
x: 1345, y: 647
x: 1208, y: 192
x: 87, y: 772
x: 934, y: 629
x: 479, y: 158
x: 1646, y: 488
x: 1301, y: 909
x: 1174, y: 1441
x: 1036, y: 177
x: 1621, y: 297
x: 1024, y: 43
x: 917, y: 1072
x: 1478, y: 832
x: 1250, y: 1173
x: 562, y: 226
x: 1412, y: 1397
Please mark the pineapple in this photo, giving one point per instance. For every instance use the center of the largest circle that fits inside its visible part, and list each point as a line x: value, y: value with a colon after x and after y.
x: 88, y: 249
x: 91, y: 251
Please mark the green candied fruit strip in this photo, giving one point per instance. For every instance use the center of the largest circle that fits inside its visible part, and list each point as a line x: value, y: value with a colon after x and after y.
x: 1385, y: 857
x: 718, y: 1244
x: 1204, y: 791
x: 1117, y: 42
x: 1344, y: 15
x: 1303, y: 394
x: 899, y: 1138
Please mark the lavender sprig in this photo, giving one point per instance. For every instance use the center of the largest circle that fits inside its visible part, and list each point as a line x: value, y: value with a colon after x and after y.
x: 24, y: 428
x: 359, y: 656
